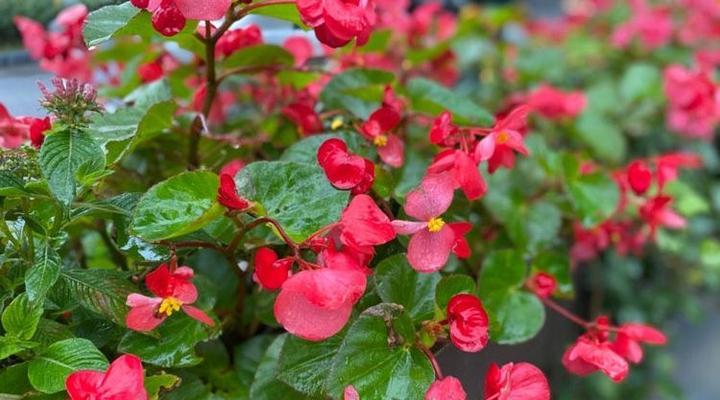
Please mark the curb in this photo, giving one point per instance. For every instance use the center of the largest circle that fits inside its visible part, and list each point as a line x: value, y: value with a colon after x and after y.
x: 11, y: 58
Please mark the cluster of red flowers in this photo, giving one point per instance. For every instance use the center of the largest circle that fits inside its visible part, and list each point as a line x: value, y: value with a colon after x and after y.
x: 15, y: 131
x: 123, y: 380
x: 170, y: 16
x: 653, y: 208
x: 61, y: 52
x: 693, y: 100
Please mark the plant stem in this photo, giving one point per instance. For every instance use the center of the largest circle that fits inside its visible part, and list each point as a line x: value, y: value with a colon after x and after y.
x: 565, y: 313
x: 433, y: 362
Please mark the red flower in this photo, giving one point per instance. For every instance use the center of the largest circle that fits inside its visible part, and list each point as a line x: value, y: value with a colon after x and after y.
x: 304, y: 116
x: 301, y: 49
x: 555, y: 104
x: 463, y: 170
x: 150, y: 71
x: 232, y: 168
x: 169, y: 16
x: 468, y: 323
x: 448, y: 388
x: 343, y: 169
x: 432, y: 239
x: 271, y: 273
x: 123, y: 380
x: 174, y: 291
x: 639, y: 177
x: 667, y: 166
x: 692, y: 101
x: 461, y: 248
x: 657, y: 213
x: 593, y: 353
x: 350, y: 393
x: 228, y: 196
x: 505, y: 137
x: 652, y: 25
x: 237, y: 39
x: 521, y: 381
x: 542, y: 284
x: 337, y: 22
x: 316, y: 304
x: 38, y: 127
x: 364, y: 224
x: 628, y: 339
x: 443, y: 130
x: 379, y: 125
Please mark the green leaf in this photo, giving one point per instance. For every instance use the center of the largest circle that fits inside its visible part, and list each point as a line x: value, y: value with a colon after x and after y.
x: 297, y: 195
x: 397, y: 282
x: 430, y: 97
x: 515, y: 316
x: 48, y: 371
x: 11, y: 185
x: 14, y: 380
x: 174, y: 343
x: 286, y: 12
x: 43, y: 275
x: 258, y: 56
x: 62, y: 155
x: 20, y: 319
x: 359, y: 91
x: 557, y: 264
x: 155, y: 383
x: 304, y: 365
x: 451, y: 285
x: 594, y: 196
x: 180, y: 205
x: 248, y: 355
x: 102, y: 292
x: 604, y: 137
x: 103, y: 24
x: 502, y: 271
x: 266, y: 386
x: 377, y: 370
x: 641, y: 81
x: 10, y: 345
x: 305, y: 151
x: 533, y: 226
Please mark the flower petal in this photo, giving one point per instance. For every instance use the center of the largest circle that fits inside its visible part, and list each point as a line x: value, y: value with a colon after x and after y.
x: 431, y: 198
x: 198, y: 315
x: 429, y: 251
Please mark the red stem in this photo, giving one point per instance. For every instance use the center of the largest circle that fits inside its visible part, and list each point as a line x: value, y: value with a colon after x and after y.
x: 433, y: 362
x: 565, y: 313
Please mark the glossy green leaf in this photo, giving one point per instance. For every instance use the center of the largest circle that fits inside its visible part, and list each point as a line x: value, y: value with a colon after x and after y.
x: 556, y: 263
x: 535, y: 225
x: 286, y: 12
x: 304, y: 365
x: 502, y: 271
x: 180, y: 205
x: 376, y: 369
x: 602, y: 135
x: 11, y: 185
x: 515, y: 316
x: 641, y: 81
x: 102, y: 24
x: 266, y: 386
x: 451, y: 285
x: 173, y: 343
x: 48, y: 371
x: 248, y: 355
x: 62, y: 155
x: 297, y: 195
x: 594, y: 196
x: 258, y: 56
x: 10, y: 345
x: 20, y: 319
x: 102, y: 292
x: 359, y: 91
x: 43, y: 275
x: 161, y: 382
x: 397, y: 282
x: 431, y: 97
x: 14, y: 380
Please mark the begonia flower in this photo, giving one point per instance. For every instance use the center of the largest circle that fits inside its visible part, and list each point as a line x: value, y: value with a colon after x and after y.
x: 505, y: 138
x: 271, y: 272
x: 630, y: 335
x: 236, y: 39
x: 170, y: 16
x: 350, y: 393
x: 516, y: 381
x: 464, y: 171
x: 173, y: 291
x: 542, y: 284
x: 447, y: 388
x: 363, y: 224
x: 337, y: 22
x: 639, y: 177
x: 657, y: 213
x: 554, y: 103
x: 468, y: 321
x: 343, y: 169
x: 379, y: 125
x: 303, y: 115
x: 123, y: 380
x: 228, y: 196
x: 443, y: 130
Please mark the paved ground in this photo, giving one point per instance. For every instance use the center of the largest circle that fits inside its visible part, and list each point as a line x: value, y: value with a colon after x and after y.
x: 695, y: 348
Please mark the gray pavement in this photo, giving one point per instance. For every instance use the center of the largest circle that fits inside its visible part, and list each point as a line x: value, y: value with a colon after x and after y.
x: 19, y: 91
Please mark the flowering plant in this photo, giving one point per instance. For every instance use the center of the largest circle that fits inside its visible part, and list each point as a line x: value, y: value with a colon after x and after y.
x: 229, y: 218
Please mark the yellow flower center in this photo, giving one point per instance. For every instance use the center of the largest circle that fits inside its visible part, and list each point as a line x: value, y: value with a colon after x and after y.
x: 435, y: 224
x: 169, y: 305
x: 337, y: 123
x: 380, y: 140
x: 502, y: 137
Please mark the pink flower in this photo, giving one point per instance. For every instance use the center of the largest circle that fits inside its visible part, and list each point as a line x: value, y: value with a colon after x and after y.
x: 271, y: 273
x: 668, y: 166
x: 542, y: 284
x: 173, y: 290
x: 364, y: 224
x: 468, y: 321
x: 448, y: 388
x: 123, y: 380
x: 443, y: 130
x: 521, y: 381
x: 693, y: 101
x: 301, y: 49
x: 461, y: 248
x: 379, y: 125
x: 498, y: 147
x: 228, y: 196
x: 590, y: 354
x: 657, y: 213
x: 652, y: 25
x: 236, y: 39
x: 553, y: 103
x: 432, y: 239
x: 350, y: 393
x: 169, y: 16
x: 464, y: 171
x: 639, y: 177
x: 337, y: 22
x: 304, y: 116
x: 316, y: 304
x: 628, y: 339
x: 343, y: 169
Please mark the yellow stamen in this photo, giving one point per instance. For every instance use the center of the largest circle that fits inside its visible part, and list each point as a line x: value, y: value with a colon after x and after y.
x: 337, y: 123
x: 380, y: 140
x: 502, y: 137
x: 169, y: 305
x: 435, y: 224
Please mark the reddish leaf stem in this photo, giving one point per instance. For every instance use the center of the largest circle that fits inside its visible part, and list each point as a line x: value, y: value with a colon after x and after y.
x: 433, y: 361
